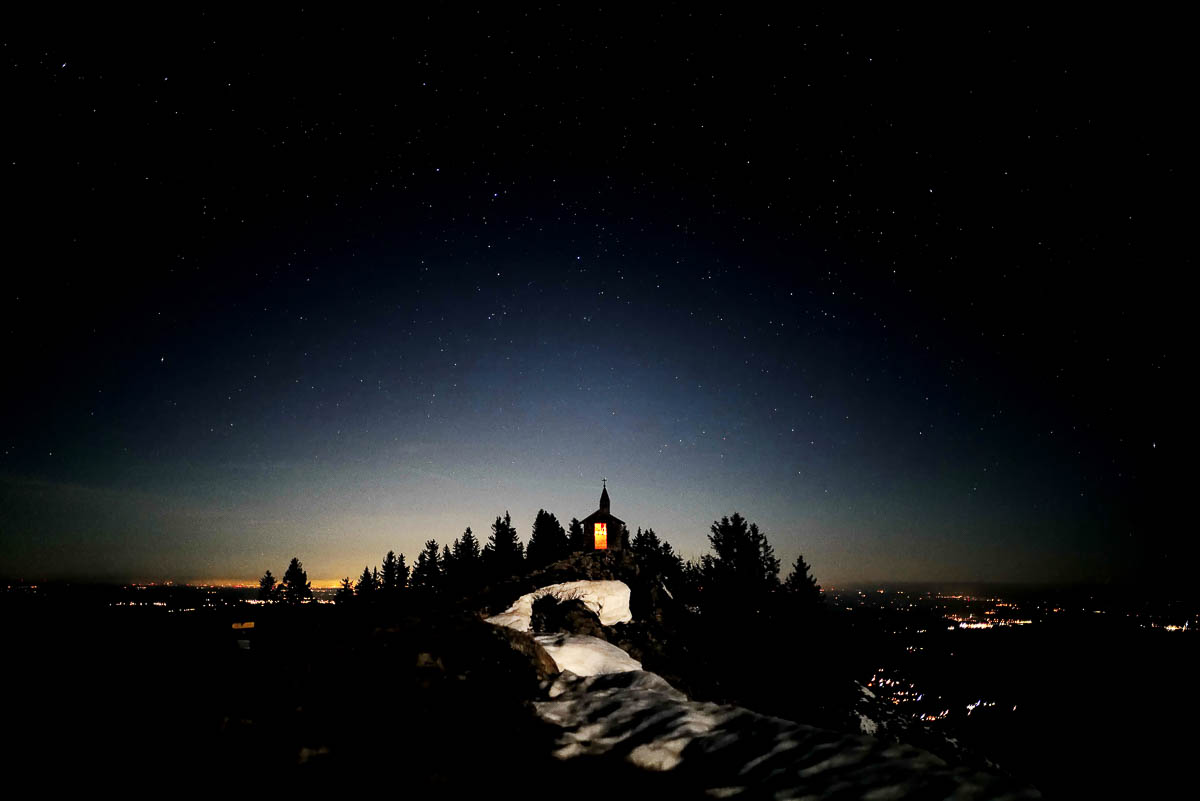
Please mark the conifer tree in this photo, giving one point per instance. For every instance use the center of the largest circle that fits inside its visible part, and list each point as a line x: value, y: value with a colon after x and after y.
x: 802, y: 584
x: 576, y: 537
x: 266, y: 587
x: 345, y: 593
x: 296, y: 587
x: 548, y: 543
x: 744, y: 564
x: 466, y: 548
x: 691, y: 583
x: 402, y: 573
x: 389, y: 576
x: 367, y: 584
x: 448, y: 581
x: 658, y: 556
x: 504, y: 554
x: 426, y: 573
x: 465, y: 562
x: 644, y: 542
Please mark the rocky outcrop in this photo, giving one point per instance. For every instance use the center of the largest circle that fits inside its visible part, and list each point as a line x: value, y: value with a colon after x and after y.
x: 575, y: 618
x: 646, y: 598
x: 609, y: 600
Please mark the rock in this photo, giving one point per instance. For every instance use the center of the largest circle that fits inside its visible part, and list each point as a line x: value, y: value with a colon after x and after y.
x: 429, y: 661
x: 578, y: 619
x: 524, y: 644
x: 571, y: 615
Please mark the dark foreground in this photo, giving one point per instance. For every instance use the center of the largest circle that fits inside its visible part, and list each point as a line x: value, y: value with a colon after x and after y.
x: 438, y: 702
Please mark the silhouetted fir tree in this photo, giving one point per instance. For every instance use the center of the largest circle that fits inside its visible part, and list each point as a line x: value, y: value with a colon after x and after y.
x: 402, y: 572
x: 802, y: 584
x: 466, y: 548
x: 427, y: 572
x: 296, y: 588
x: 266, y: 587
x: 691, y: 584
x: 576, y: 538
x: 504, y: 555
x: 645, y: 542
x: 446, y: 563
x: 345, y: 593
x: 367, y: 584
x: 465, y: 567
x: 671, y: 565
x: 743, y: 568
x: 658, y: 556
x: 389, y: 576
x: 548, y: 543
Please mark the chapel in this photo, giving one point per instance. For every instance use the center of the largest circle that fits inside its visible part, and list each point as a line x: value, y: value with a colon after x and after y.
x: 603, y: 531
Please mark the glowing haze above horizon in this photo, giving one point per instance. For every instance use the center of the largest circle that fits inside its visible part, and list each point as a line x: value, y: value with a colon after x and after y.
x: 336, y: 292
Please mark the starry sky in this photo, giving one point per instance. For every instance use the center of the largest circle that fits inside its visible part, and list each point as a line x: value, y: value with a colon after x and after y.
x: 903, y: 294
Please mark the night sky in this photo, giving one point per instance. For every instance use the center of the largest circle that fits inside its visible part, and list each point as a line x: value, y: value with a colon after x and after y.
x: 907, y: 296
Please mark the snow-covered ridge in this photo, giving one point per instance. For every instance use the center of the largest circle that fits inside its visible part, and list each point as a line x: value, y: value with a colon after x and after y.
x: 729, y: 751
x: 606, y: 706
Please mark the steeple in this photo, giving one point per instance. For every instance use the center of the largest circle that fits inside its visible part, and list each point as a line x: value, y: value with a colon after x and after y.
x: 604, y: 502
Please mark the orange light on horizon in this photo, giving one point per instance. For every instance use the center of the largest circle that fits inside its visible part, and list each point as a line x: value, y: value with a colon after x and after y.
x: 326, y: 584
x: 317, y: 584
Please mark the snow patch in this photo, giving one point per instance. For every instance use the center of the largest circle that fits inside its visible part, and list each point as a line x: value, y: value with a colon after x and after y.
x: 584, y: 655
x: 659, y: 755
x: 866, y: 725
x: 608, y: 599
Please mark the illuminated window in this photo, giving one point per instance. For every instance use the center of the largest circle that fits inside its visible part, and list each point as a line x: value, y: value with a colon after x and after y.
x: 601, y: 536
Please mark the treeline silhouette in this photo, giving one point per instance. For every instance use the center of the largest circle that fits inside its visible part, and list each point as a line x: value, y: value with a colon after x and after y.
x: 739, y: 577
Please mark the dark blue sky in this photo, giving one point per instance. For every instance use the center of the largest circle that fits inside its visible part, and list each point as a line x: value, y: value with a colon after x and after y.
x: 321, y: 287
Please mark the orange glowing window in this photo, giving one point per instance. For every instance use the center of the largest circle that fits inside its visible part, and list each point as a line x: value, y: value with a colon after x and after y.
x: 601, y: 536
